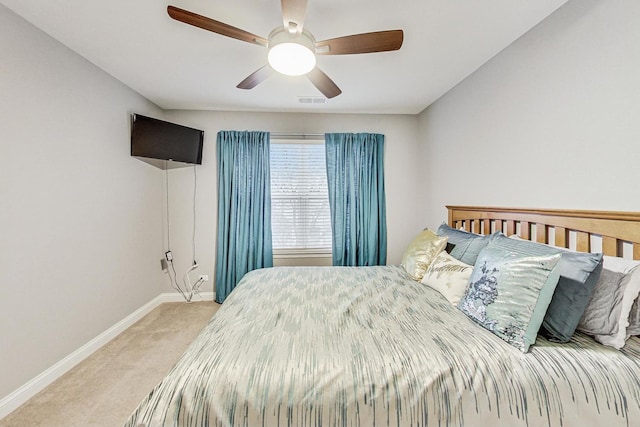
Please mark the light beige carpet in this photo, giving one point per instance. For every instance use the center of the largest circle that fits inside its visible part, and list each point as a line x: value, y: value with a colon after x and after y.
x: 105, y: 388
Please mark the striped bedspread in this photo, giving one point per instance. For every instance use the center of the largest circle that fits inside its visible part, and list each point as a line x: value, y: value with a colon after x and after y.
x: 348, y: 347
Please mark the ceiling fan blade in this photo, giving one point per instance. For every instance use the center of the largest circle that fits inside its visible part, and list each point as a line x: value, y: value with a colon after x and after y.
x: 293, y: 13
x: 380, y: 41
x: 214, y: 26
x: 255, y: 78
x: 324, y: 84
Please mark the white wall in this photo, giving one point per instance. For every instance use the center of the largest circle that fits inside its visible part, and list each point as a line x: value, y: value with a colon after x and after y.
x: 80, y: 219
x: 553, y: 121
x: 404, y: 220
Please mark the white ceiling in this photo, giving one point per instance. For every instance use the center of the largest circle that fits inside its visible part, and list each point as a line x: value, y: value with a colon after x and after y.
x: 178, y: 66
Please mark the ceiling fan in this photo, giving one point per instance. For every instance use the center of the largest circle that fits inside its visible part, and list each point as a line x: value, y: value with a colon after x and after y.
x: 293, y: 49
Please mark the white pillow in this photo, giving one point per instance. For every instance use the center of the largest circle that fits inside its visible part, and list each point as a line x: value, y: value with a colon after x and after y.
x: 448, y: 276
x: 631, y: 284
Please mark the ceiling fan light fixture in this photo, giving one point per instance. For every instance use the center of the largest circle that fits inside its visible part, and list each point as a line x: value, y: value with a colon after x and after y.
x: 290, y: 54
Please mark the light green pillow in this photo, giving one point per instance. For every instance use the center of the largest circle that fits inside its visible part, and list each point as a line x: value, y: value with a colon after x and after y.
x: 579, y: 273
x: 509, y: 293
x: 424, y: 248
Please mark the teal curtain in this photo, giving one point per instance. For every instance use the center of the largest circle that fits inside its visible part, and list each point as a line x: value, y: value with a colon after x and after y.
x: 244, y: 207
x: 355, y: 176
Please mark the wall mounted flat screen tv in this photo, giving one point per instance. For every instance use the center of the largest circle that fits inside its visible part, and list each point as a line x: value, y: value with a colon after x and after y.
x: 157, y: 141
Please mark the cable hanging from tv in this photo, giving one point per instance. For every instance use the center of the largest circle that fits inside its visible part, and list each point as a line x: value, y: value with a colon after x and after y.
x: 187, y: 290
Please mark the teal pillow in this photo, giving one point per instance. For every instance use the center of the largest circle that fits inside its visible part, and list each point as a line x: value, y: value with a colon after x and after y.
x: 579, y: 273
x: 509, y: 293
x: 465, y: 246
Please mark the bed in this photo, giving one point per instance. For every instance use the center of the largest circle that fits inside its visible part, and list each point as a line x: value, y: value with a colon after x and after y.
x: 371, y: 346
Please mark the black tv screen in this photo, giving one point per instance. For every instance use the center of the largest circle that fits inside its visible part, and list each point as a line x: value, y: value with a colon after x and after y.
x: 157, y: 139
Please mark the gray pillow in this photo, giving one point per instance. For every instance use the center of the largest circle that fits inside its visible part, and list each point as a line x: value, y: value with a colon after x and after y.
x: 579, y: 273
x: 466, y: 246
x: 603, y: 311
x: 634, y: 319
x: 631, y: 289
x: 508, y: 294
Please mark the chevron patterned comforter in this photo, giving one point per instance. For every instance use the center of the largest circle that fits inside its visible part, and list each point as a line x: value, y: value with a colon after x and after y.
x: 368, y: 346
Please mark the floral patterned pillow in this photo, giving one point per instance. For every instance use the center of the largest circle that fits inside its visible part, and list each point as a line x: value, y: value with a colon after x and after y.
x: 448, y: 276
x: 509, y: 293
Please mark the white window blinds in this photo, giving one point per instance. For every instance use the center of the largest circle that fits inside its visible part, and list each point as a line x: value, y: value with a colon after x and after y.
x: 300, y: 215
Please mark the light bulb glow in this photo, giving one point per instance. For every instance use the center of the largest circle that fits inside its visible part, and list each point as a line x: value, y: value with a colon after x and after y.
x: 292, y: 59
x: 291, y: 54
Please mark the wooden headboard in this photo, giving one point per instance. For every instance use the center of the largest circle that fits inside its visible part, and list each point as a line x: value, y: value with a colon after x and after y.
x: 613, y: 233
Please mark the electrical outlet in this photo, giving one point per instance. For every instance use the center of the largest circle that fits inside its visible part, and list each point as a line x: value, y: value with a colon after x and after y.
x: 204, y: 277
x: 168, y: 255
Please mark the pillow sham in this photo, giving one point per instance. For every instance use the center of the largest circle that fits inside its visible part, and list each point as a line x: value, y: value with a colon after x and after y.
x: 603, y: 311
x: 448, y: 276
x: 509, y: 293
x: 579, y: 273
x: 466, y: 246
x: 634, y: 319
x: 631, y: 285
x: 421, y: 252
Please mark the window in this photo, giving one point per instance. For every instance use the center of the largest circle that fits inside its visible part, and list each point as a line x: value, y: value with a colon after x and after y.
x: 300, y: 216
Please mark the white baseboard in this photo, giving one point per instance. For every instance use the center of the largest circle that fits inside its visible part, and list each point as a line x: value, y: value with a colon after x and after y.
x: 176, y: 297
x: 12, y: 401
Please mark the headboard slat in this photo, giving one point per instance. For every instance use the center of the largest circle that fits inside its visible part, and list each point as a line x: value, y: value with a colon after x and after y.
x: 562, y: 237
x: 541, y: 233
x: 610, y: 246
x: 583, y: 242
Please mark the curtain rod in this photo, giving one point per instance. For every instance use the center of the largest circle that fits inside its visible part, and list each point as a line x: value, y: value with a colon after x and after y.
x: 290, y: 135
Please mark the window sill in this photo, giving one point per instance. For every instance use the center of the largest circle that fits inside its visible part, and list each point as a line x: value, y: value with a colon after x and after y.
x: 302, y: 253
